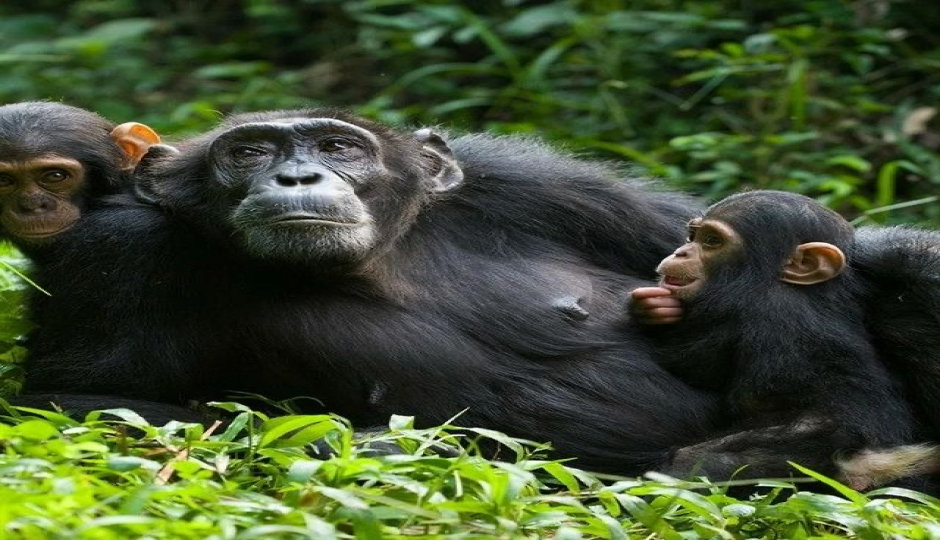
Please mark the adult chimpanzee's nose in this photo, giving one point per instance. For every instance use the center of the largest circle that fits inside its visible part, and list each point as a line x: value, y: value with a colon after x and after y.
x: 301, y: 178
x: 298, y: 178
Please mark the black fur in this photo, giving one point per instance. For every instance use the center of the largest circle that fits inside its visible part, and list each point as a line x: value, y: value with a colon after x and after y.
x: 78, y: 405
x: 462, y: 307
x: 902, y: 269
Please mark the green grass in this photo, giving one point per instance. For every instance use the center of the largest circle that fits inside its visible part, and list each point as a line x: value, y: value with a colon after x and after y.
x: 255, y: 478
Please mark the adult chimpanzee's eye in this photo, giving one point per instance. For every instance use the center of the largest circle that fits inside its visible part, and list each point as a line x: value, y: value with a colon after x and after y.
x: 247, y: 152
x: 6, y: 180
x: 335, y: 145
x: 53, y: 176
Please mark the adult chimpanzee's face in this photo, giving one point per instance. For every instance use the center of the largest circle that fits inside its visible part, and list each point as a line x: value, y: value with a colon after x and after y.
x: 299, y: 186
x: 316, y: 187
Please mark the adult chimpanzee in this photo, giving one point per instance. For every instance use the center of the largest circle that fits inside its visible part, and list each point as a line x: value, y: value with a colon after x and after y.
x: 313, y: 253
x: 55, y: 162
x: 774, y: 320
x: 59, y: 163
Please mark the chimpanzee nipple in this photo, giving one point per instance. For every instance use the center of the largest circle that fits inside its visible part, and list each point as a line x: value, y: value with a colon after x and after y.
x: 571, y: 307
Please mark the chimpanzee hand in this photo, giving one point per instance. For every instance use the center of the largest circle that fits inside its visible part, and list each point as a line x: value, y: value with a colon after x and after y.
x: 655, y: 305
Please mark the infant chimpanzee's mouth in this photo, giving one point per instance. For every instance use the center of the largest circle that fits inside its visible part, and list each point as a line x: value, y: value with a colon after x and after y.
x: 677, y: 281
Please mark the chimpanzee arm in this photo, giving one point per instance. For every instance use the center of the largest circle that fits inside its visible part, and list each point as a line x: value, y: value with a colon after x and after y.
x: 847, y: 419
x: 803, y: 400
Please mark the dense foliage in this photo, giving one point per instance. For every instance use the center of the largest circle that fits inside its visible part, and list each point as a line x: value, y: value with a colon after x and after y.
x: 829, y: 98
x: 253, y: 479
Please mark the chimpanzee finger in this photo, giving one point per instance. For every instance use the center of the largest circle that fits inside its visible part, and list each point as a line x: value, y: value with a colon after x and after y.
x: 649, y: 292
x: 661, y: 316
x: 659, y: 302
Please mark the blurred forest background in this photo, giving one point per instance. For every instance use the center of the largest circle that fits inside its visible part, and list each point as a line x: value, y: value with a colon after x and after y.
x: 831, y: 98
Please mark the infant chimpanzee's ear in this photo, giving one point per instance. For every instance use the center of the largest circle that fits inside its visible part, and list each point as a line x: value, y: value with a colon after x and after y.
x: 812, y: 263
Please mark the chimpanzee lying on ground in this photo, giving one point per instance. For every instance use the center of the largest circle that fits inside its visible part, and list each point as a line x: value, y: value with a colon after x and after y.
x: 315, y: 253
x: 312, y: 253
x: 773, y: 318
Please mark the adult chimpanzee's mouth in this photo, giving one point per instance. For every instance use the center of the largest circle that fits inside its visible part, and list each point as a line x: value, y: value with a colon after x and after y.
x: 312, y: 219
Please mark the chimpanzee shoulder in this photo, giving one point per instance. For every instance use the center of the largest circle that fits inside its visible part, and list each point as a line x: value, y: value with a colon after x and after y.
x: 526, y: 185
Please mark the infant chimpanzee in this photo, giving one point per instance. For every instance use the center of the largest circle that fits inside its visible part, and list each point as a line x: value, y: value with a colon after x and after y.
x: 761, y: 306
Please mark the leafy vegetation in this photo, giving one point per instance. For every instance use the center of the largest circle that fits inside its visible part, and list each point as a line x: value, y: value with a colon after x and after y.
x: 255, y: 479
x: 832, y: 99
x: 829, y: 98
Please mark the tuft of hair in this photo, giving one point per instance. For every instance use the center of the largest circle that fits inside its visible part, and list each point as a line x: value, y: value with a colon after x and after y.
x: 873, y: 468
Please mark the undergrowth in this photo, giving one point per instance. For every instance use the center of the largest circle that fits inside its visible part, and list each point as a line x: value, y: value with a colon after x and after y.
x: 257, y: 477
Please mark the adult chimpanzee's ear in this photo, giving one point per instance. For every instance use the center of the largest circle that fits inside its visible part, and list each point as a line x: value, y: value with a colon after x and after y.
x: 134, y: 139
x: 447, y: 172
x: 145, y: 189
x: 812, y: 263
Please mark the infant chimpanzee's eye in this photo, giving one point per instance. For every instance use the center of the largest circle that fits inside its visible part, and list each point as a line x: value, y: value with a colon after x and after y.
x: 712, y: 240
